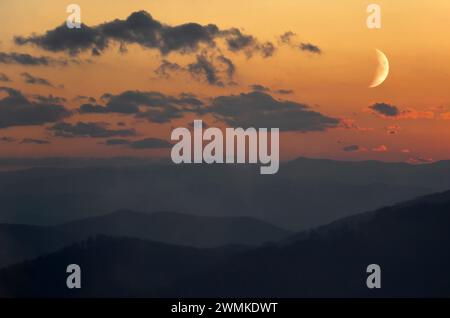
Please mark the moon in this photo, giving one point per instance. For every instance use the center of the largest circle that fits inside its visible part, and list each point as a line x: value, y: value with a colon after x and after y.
x: 382, y: 70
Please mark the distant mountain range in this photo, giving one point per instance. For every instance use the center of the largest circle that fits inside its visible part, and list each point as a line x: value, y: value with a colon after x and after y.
x: 179, y: 229
x: 306, y: 193
x: 410, y: 241
x: 22, y: 242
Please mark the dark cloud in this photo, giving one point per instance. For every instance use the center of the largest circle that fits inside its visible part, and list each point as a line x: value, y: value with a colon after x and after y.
x: 231, y: 68
x: 17, y: 110
x: 286, y: 38
x: 142, y: 29
x: 385, y: 109
x: 166, y: 68
x: 351, y: 148
x: 188, y: 99
x: 31, y: 79
x: 82, y: 98
x: 116, y: 142
x: 62, y: 39
x: 150, y: 143
x: 92, y: 109
x: 30, y: 60
x: 393, y: 112
x: 310, y: 48
x: 259, y: 88
x: 260, y: 110
x: 255, y: 109
x: 34, y: 141
x: 147, y: 143
x: 161, y: 115
x: 205, y: 68
x: 153, y: 106
x: 267, y: 49
x: 284, y: 91
x: 4, y: 78
x: 7, y: 139
x: 237, y: 41
x: 49, y: 99
x: 88, y: 129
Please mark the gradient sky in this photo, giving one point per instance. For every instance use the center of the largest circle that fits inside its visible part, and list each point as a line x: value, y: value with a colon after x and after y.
x: 414, y: 36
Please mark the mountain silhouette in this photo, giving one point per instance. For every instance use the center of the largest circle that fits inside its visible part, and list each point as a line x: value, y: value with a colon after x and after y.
x: 23, y: 242
x: 306, y: 193
x: 409, y: 241
x: 178, y: 228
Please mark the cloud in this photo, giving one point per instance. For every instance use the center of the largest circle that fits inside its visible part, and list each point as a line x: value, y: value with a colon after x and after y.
x: 308, y: 47
x: 142, y: 29
x: 88, y: 129
x: 17, y: 110
x: 262, y: 88
x: 259, y: 88
x: 153, y: 106
x: 4, y: 78
x: 260, y: 110
x: 392, y: 111
x: 49, y: 99
x: 286, y: 38
x: 30, y: 79
x: 237, y: 41
x: 117, y: 142
x: 150, y: 143
x: 267, y: 49
x: 205, y: 68
x: 7, y: 139
x: 351, y: 148
x: 92, y: 109
x: 210, y: 68
x: 83, y: 98
x: 147, y: 143
x: 255, y: 109
x: 35, y: 141
x: 381, y: 148
x: 231, y: 68
x: 284, y: 91
x: 385, y: 109
x: 166, y: 68
x: 30, y: 60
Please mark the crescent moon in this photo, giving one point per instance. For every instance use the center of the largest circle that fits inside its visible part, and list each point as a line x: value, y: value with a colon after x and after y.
x: 382, y: 69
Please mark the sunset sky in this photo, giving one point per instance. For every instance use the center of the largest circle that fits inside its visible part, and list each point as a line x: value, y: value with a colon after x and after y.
x: 312, y: 83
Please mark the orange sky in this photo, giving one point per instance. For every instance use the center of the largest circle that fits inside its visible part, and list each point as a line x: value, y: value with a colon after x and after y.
x: 414, y: 36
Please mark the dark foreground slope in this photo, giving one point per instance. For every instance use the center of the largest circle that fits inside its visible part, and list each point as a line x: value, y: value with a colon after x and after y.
x: 409, y: 241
